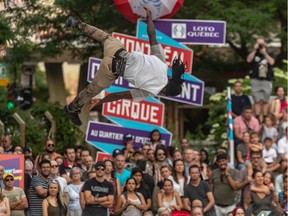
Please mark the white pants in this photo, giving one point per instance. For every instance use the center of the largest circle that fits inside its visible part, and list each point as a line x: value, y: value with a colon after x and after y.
x: 223, y: 211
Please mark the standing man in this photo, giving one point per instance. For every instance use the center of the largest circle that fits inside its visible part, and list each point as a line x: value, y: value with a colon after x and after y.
x: 121, y: 173
x: 98, y: 193
x: 198, y: 190
x: 17, y: 198
x: 239, y: 100
x: 147, y: 72
x: 39, y: 188
x: 224, y: 185
x: 68, y: 164
x: 261, y: 74
x: 188, y: 156
x: 7, y: 144
x: 49, y: 147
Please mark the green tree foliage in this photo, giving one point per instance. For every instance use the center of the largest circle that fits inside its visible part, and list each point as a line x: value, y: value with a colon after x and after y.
x: 245, y: 20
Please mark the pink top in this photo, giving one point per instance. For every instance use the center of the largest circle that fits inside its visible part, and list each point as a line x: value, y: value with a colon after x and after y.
x: 253, y: 124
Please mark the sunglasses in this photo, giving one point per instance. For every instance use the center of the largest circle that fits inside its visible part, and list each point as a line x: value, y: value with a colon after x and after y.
x: 221, y: 177
x: 54, y: 166
x: 100, y: 168
x: 161, y: 154
x: 50, y: 145
x: 10, y: 179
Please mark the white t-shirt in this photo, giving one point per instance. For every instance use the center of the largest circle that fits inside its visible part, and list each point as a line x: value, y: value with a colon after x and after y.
x: 283, y: 147
x: 269, y: 155
x: 147, y: 73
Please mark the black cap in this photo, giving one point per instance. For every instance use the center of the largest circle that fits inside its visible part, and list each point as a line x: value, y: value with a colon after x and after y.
x: 137, y: 152
x: 100, y: 163
x: 27, y: 149
x: 221, y: 156
x: 128, y: 137
x: 116, y: 152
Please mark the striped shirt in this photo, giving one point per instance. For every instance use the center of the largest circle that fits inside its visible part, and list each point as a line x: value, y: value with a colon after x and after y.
x: 35, y: 201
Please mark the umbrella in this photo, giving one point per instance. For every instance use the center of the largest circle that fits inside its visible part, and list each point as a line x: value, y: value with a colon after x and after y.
x: 133, y: 9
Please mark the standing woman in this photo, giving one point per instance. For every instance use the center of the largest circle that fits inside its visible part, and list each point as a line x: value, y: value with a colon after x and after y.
x: 130, y: 203
x: 110, y: 176
x: 142, y: 188
x: 279, y: 103
x: 179, y: 177
x: 74, y: 189
x: 4, y: 205
x: 54, y: 205
x: 169, y: 198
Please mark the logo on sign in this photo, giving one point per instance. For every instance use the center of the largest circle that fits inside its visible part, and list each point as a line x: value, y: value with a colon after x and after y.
x: 179, y: 30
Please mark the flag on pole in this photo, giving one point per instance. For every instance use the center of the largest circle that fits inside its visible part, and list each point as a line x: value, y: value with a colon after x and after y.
x: 230, y: 127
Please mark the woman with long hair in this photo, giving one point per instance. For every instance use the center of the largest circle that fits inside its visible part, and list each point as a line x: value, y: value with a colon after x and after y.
x: 130, y: 202
x: 4, y: 205
x: 110, y: 176
x: 169, y: 198
x: 178, y: 176
x: 54, y: 205
x: 242, y: 150
x: 74, y: 189
x: 279, y: 103
x: 260, y: 197
x: 142, y: 188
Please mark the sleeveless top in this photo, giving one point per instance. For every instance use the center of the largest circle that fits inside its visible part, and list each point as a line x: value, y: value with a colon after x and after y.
x: 169, y: 203
x: 262, y: 204
x: 55, y: 210
x: 132, y: 210
x: 3, y: 207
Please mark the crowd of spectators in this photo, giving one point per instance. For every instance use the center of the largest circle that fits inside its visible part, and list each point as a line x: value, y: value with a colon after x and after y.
x: 164, y: 180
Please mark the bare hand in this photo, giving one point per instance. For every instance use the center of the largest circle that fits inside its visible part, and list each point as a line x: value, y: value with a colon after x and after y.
x: 227, y: 170
x: 93, y: 103
x: 148, y: 12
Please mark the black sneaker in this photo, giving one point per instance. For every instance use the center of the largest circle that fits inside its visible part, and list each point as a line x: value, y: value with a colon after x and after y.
x: 70, y: 22
x: 73, y: 116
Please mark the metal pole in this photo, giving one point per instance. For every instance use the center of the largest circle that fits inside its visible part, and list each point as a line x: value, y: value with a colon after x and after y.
x: 22, y: 128
x: 230, y: 127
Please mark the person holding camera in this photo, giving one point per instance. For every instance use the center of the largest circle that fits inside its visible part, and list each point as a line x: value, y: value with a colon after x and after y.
x: 261, y: 74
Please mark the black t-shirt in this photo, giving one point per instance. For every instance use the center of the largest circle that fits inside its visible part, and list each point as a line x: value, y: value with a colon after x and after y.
x: 144, y: 190
x: 200, y: 193
x: 260, y: 63
x: 149, y: 181
x: 238, y: 103
x: 98, y: 189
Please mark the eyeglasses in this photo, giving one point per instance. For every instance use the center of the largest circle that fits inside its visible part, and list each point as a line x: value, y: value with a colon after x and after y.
x: 10, y: 179
x: 100, y: 168
x: 76, y: 173
x: 50, y: 145
x: 54, y: 166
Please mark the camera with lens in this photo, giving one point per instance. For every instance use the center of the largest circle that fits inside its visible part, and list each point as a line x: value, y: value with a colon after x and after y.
x: 261, y: 46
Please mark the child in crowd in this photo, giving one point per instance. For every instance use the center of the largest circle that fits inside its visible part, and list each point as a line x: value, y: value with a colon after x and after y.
x: 269, y: 130
x: 254, y: 144
x: 270, y: 155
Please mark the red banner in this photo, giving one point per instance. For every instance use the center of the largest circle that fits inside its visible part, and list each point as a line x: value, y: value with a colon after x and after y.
x: 134, y: 44
x: 101, y: 156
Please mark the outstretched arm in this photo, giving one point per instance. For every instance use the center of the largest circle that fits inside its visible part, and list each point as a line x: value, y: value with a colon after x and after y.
x: 151, y: 28
x: 109, y: 98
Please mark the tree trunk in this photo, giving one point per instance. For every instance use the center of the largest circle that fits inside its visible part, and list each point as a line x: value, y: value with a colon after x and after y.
x: 55, y: 80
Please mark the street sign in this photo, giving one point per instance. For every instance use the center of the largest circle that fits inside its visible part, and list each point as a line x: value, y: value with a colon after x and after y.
x: 188, y: 31
x: 135, y: 44
x: 93, y: 66
x: 108, y: 137
x: 145, y: 111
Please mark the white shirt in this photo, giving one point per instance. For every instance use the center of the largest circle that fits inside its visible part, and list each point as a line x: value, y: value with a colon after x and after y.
x: 269, y: 155
x: 147, y: 73
x: 283, y: 146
